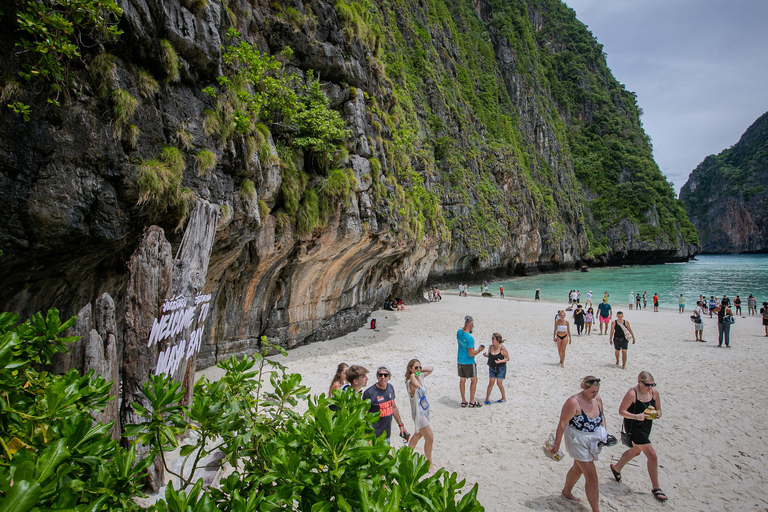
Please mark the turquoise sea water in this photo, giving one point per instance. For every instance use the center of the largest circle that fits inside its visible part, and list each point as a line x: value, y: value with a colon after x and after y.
x: 707, y: 275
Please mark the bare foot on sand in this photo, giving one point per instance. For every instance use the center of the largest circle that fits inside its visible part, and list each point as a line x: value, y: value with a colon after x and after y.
x: 571, y: 496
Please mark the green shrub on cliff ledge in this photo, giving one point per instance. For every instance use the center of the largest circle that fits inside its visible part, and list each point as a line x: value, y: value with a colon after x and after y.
x: 257, y: 90
x: 52, y: 33
x: 159, y: 183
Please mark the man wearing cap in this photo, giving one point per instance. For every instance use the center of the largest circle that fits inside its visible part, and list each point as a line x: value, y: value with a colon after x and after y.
x: 466, y: 362
x: 382, y: 397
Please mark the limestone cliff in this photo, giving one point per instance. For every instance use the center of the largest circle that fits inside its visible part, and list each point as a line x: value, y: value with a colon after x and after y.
x: 475, y: 133
x: 726, y: 196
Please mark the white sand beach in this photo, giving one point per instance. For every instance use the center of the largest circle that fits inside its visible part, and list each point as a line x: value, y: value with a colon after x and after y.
x: 711, y: 441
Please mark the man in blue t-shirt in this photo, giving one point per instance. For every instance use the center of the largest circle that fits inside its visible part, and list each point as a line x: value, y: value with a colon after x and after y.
x: 382, y: 397
x: 604, y: 313
x: 466, y: 361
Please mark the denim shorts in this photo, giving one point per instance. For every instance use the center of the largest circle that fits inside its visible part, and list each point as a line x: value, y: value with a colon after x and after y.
x: 497, y: 373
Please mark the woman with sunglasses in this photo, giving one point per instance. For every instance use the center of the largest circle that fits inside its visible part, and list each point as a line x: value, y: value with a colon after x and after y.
x: 582, y: 424
x: 414, y: 379
x: 641, y: 405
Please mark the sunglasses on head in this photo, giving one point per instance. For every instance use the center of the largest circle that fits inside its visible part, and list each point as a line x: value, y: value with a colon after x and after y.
x: 382, y: 374
x: 651, y: 385
x: 591, y: 382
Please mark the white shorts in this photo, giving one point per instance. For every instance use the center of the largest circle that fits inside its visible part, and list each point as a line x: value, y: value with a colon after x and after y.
x: 583, y: 446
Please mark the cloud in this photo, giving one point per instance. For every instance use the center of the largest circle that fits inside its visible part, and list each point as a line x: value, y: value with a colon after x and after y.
x: 699, y: 68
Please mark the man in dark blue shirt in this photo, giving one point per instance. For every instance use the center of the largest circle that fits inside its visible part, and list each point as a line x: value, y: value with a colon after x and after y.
x: 382, y: 397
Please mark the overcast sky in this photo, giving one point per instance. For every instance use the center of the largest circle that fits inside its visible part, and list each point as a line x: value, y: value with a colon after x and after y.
x: 699, y: 68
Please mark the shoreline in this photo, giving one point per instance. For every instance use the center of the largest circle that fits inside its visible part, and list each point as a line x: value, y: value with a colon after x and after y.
x: 703, y: 464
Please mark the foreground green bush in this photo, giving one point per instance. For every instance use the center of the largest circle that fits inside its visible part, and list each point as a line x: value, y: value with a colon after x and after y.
x: 56, y: 457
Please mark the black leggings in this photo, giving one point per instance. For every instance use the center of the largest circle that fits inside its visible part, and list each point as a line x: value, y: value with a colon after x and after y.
x: 579, y: 328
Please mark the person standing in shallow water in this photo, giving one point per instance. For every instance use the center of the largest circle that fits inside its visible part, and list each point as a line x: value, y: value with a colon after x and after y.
x: 681, y: 304
x: 537, y: 297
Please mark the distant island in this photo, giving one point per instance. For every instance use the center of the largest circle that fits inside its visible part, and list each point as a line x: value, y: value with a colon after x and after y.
x: 726, y: 196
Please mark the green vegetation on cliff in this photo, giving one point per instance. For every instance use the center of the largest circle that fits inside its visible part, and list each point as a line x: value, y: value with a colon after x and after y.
x: 738, y: 170
x: 454, y: 66
x: 489, y: 120
x: 726, y: 195
x: 612, y: 155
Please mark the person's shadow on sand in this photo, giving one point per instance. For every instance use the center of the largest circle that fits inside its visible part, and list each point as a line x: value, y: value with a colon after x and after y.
x: 556, y: 502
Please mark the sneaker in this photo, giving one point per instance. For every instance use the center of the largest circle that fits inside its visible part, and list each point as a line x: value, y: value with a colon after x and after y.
x: 610, y: 441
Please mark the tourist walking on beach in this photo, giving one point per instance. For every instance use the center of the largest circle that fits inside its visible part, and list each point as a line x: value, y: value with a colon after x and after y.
x: 751, y: 305
x: 382, y: 397
x: 582, y: 424
x: 588, y: 302
x: 339, y: 378
x: 621, y: 335
x: 655, y: 302
x: 631, y: 299
x: 641, y: 405
x: 737, y: 305
x: 698, y: 324
x: 645, y: 299
x: 712, y: 305
x: 764, y: 314
x: 501, y: 291
x: 578, y: 319
x: 604, y: 313
x: 681, y: 304
x: 466, y: 362
x: 637, y: 301
x: 724, y: 321
x: 417, y: 392
x: 589, y: 318
x: 562, y: 335
x: 497, y: 367
x: 536, y: 296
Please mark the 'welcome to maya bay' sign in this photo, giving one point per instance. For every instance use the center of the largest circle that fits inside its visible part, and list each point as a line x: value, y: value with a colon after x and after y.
x: 179, y: 316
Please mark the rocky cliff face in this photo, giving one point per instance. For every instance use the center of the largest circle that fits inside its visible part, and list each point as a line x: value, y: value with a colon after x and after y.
x: 726, y: 196
x: 468, y: 151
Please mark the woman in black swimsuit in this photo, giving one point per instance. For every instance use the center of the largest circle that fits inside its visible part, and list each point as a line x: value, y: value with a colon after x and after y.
x: 562, y: 335
x: 638, y: 420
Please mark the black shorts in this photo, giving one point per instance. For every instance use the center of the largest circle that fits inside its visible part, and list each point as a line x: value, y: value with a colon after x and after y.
x: 620, y: 344
x: 467, y: 371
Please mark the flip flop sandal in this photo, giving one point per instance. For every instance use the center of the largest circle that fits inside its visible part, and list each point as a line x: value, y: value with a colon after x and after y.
x: 475, y: 404
x: 616, y: 474
x: 463, y: 404
x: 659, y: 495
x: 499, y: 401
x: 487, y: 402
